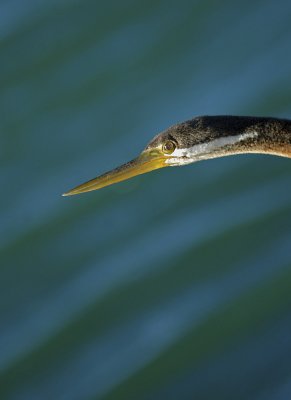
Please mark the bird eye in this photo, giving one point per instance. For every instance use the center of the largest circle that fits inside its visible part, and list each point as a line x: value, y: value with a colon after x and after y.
x: 169, y: 146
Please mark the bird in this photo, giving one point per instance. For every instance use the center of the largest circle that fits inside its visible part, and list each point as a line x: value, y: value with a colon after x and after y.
x: 201, y: 138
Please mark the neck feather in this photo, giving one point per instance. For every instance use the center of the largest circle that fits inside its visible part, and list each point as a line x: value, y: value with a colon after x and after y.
x: 227, y: 135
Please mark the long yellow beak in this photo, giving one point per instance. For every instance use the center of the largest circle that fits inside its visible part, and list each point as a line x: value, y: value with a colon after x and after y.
x: 149, y: 160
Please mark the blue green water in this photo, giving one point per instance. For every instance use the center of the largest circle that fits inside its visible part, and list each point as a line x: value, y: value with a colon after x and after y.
x: 173, y: 285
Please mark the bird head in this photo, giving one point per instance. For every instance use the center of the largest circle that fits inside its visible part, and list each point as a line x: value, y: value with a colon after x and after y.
x: 197, y: 139
x: 164, y: 150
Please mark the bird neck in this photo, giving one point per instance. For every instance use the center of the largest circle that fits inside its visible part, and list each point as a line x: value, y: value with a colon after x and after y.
x: 227, y: 135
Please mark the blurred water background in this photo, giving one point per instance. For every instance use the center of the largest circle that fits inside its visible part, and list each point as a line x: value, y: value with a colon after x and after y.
x: 176, y: 284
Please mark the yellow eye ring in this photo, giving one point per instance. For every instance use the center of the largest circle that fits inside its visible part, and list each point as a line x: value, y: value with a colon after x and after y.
x: 169, y: 147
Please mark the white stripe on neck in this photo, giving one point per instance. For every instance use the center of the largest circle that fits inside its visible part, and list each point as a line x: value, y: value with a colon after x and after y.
x: 205, y: 148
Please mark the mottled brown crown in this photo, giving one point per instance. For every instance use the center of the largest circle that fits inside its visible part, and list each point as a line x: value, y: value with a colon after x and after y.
x: 271, y: 131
